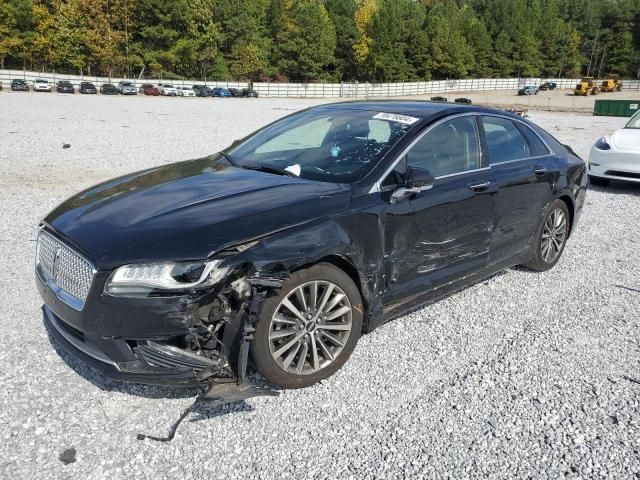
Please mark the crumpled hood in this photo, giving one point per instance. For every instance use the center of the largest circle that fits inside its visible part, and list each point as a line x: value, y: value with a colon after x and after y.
x: 627, y: 139
x: 187, y: 211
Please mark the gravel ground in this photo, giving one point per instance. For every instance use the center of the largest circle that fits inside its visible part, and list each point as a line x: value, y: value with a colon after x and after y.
x: 524, y: 375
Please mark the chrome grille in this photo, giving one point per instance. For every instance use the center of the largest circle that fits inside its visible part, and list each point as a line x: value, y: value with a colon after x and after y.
x: 68, y: 270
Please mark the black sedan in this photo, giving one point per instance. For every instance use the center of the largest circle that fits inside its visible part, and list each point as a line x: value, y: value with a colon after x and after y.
x: 64, y: 86
x: 88, y: 88
x: 19, y: 85
x: 109, y: 89
x: 249, y: 92
x: 297, y: 239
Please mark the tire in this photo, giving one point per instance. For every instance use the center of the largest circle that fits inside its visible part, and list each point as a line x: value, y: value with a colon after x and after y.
x: 269, y: 348
x: 598, y: 181
x: 542, y: 260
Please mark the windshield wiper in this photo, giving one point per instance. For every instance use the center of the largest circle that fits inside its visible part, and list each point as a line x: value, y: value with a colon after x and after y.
x: 274, y: 170
x: 226, y: 157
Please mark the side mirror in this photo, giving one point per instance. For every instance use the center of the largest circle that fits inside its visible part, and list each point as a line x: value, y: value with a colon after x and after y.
x: 417, y: 180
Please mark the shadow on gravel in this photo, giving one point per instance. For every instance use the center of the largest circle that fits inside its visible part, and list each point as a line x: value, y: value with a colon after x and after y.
x: 614, y: 186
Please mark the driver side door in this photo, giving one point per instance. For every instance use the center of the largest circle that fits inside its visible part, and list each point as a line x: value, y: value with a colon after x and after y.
x: 440, y: 234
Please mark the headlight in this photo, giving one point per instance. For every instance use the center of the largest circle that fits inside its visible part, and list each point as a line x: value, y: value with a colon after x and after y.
x: 143, y: 279
x: 602, y: 144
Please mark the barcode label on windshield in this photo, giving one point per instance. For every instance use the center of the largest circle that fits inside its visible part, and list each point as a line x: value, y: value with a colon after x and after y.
x: 394, y: 117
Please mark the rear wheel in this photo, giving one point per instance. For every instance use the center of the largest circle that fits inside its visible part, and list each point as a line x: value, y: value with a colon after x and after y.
x: 308, y: 330
x: 551, y: 237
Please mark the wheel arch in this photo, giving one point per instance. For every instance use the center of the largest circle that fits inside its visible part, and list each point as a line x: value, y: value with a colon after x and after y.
x: 571, y: 207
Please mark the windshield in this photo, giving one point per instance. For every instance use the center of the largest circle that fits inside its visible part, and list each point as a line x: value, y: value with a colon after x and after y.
x: 635, y: 121
x: 331, y: 145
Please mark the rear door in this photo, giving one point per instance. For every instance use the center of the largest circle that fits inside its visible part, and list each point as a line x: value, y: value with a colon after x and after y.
x: 520, y: 171
x: 443, y: 233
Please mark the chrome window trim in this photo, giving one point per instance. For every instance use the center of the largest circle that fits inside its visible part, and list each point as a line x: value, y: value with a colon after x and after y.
x: 518, y: 160
x: 449, y: 175
x: 377, y: 186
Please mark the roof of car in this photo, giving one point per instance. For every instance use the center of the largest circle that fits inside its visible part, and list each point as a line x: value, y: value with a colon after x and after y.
x: 417, y: 108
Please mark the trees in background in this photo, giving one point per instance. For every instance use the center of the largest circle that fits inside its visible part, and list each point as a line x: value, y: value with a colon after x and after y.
x: 323, y: 40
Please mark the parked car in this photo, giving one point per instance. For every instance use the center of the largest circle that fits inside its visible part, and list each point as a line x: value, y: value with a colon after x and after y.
x: 19, y: 85
x: 438, y: 99
x: 64, y: 86
x: 149, y: 89
x: 109, y: 89
x: 247, y: 92
x: 186, y: 92
x: 528, y: 90
x: 41, y: 85
x: 287, y: 250
x: 235, y: 92
x: 463, y: 100
x: 127, y: 88
x: 88, y: 88
x: 201, y: 90
x: 221, y: 92
x: 548, y: 86
x: 167, y: 90
x: 617, y: 156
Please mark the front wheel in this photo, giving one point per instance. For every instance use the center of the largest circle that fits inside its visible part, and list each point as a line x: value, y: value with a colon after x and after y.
x: 551, y: 237
x: 309, y: 328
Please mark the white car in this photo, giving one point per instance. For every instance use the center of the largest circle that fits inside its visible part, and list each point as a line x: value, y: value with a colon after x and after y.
x: 41, y: 85
x: 186, y: 92
x: 617, y: 156
x: 167, y: 90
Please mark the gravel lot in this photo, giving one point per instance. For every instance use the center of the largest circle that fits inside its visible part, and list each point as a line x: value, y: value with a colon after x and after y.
x: 524, y: 375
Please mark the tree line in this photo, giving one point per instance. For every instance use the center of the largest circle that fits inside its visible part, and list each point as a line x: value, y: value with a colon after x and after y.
x: 322, y: 40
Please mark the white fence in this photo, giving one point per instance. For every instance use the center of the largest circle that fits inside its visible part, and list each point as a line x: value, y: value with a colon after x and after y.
x: 327, y: 90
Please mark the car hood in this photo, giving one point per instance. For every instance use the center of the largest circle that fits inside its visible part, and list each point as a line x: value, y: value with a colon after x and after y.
x: 187, y: 211
x: 627, y: 139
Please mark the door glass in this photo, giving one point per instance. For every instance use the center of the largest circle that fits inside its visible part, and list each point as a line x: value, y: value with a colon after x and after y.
x: 504, y: 140
x: 451, y: 147
x: 537, y: 147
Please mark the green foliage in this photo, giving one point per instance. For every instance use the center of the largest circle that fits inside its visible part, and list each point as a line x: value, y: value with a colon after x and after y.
x: 323, y: 40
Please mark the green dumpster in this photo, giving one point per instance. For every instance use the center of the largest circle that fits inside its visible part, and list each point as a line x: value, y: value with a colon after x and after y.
x: 616, y: 108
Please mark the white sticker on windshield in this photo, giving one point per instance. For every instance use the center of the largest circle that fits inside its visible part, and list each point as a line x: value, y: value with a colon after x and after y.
x: 295, y: 169
x: 394, y: 117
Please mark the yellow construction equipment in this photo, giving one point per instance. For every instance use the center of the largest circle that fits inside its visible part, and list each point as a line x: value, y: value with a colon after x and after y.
x: 611, y: 84
x: 587, y: 86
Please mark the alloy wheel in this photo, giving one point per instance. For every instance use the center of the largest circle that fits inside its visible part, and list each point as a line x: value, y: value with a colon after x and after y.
x: 554, y: 235
x: 310, y: 327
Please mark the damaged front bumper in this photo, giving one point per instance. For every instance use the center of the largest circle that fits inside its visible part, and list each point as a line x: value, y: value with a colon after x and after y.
x: 170, y: 369
x: 183, y: 340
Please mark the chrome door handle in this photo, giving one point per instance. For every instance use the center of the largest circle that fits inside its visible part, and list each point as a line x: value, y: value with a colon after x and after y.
x: 476, y: 187
x: 540, y: 170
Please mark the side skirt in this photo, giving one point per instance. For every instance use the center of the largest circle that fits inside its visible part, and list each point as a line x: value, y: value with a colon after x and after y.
x: 423, y: 299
